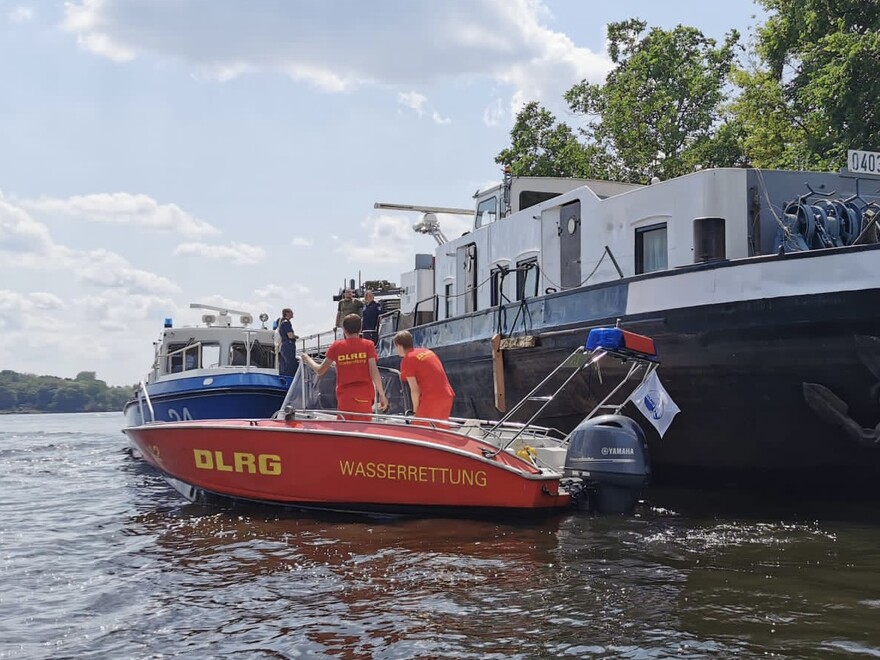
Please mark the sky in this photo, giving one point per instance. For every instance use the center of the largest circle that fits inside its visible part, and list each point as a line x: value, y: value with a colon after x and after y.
x: 155, y: 154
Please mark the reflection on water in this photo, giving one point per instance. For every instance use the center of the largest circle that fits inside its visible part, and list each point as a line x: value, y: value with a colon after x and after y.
x: 102, y: 559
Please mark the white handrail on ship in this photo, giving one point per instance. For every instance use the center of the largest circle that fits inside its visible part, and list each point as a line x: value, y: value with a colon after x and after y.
x: 314, y: 343
x: 143, y: 388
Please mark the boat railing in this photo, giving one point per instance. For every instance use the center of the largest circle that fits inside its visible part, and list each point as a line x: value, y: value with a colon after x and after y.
x: 580, y: 359
x: 462, y: 426
x: 435, y: 307
x: 144, y: 396
x: 318, y: 342
x: 394, y: 316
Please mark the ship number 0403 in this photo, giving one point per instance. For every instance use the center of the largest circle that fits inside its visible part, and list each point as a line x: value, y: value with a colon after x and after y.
x: 863, y: 162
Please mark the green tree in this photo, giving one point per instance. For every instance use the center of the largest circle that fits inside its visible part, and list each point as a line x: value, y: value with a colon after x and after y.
x: 817, y: 93
x: 85, y: 393
x: 45, y: 393
x: 539, y: 146
x: 8, y: 398
x: 659, y: 111
x: 69, y: 397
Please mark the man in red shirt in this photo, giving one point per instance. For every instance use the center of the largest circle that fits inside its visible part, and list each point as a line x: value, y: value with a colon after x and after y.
x: 357, y: 376
x: 422, y: 370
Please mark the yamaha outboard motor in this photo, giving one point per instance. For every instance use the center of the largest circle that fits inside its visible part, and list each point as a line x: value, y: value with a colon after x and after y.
x: 609, y: 454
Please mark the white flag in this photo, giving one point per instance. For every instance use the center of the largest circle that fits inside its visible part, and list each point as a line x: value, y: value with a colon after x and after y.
x: 654, y: 402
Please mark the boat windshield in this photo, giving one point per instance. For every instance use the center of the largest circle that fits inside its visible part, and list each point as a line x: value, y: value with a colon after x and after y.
x: 309, y: 392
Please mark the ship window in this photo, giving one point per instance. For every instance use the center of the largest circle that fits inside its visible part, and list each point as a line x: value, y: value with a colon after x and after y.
x: 175, y: 358
x: 527, y: 278
x: 529, y: 198
x: 262, y: 355
x: 183, y: 357
x: 448, y: 299
x: 210, y: 355
x: 486, y: 212
x: 651, y: 248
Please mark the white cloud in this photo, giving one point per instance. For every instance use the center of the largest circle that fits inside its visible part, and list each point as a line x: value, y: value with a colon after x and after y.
x: 273, y: 291
x: 418, y: 104
x: 105, y: 269
x: 413, y: 100
x: 23, y: 240
x: 438, y: 119
x: 397, y: 42
x: 123, y: 208
x: 300, y: 289
x: 299, y: 241
x: 390, y: 239
x: 20, y: 14
x: 270, y: 291
x: 454, y: 226
x: 27, y: 243
x: 494, y: 113
x: 386, y: 238
x: 239, y: 253
x: 21, y: 311
x: 45, y: 300
x: 118, y: 311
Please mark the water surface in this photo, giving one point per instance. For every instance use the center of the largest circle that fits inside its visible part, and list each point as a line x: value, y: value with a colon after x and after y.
x: 101, y: 559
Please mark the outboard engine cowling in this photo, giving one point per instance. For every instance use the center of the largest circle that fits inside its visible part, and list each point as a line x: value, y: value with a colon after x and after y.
x: 609, y: 454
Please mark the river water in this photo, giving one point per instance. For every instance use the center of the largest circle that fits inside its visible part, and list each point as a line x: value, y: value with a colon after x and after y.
x: 101, y: 559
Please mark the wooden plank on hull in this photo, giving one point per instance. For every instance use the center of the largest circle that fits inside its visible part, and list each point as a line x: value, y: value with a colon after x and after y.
x: 498, y: 374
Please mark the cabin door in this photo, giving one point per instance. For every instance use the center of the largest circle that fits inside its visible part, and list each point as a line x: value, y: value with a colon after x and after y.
x: 570, y: 245
x: 466, y: 278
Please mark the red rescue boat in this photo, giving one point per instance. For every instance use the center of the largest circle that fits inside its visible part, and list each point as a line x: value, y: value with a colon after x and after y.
x: 311, y: 458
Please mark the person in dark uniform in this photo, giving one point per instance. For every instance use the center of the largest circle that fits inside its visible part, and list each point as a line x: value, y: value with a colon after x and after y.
x: 287, y: 354
x: 370, y: 317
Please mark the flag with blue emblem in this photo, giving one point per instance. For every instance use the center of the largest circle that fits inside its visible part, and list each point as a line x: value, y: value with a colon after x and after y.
x: 654, y: 402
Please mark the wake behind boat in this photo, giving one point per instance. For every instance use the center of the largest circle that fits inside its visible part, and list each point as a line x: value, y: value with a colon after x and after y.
x: 399, y: 464
x: 212, y: 371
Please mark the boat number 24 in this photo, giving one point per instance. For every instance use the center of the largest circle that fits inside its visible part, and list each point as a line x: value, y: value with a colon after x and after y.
x: 175, y: 416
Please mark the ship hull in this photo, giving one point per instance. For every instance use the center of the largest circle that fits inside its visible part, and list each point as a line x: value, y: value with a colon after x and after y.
x: 209, y: 396
x: 344, y: 466
x: 781, y: 383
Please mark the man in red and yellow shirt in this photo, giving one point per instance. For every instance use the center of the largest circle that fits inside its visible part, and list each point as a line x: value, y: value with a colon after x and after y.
x: 357, y: 376
x: 421, y: 369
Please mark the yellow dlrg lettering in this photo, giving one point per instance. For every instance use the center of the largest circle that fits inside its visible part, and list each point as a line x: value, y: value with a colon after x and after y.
x: 204, y: 459
x: 240, y: 462
x: 244, y: 462
x: 269, y: 464
x: 219, y: 464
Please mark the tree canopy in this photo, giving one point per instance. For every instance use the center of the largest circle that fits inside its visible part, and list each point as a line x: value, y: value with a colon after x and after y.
x: 676, y: 100
x: 85, y: 393
x: 542, y: 147
x: 657, y: 112
x: 821, y: 64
